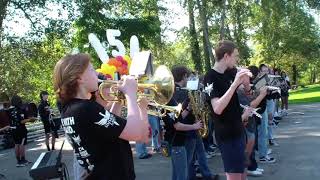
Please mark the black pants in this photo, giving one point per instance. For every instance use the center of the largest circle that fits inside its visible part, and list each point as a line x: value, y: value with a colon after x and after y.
x: 253, y: 163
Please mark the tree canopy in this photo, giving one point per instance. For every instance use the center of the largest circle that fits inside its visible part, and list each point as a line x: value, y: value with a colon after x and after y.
x: 281, y: 33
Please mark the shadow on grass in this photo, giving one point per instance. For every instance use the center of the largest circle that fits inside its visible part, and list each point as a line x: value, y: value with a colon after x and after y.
x: 313, y: 88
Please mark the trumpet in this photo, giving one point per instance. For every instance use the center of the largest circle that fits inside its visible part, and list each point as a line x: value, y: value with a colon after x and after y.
x: 175, y: 110
x: 160, y: 87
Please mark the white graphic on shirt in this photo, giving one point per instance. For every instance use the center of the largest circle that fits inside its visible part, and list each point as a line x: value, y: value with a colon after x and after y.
x: 67, y: 123
x: 91, y: 166
x: 171, y: 115
x: 77, y: 139
x: 83, y: 153
x: 107, y: 120
x: 80, y: 161
x: 208, y: 88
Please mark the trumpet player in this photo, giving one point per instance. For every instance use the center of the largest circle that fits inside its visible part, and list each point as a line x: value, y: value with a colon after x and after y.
x: 99, y: 138
x: 226, y: 111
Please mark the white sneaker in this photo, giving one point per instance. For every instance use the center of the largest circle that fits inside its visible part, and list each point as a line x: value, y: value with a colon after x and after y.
x: 267, y: 159
x: 254, y: 173
x: 269, y: 151
x: 208, y: 156
x: 259, y: 169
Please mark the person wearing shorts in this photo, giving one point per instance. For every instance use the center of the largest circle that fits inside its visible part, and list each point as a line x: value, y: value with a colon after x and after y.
x: 48, y: 124
x: 227, y: 115
x: 18, y: 117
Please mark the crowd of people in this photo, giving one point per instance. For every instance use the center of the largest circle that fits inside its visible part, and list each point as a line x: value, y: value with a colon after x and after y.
x: 14, y: 116
x: 240, y: 125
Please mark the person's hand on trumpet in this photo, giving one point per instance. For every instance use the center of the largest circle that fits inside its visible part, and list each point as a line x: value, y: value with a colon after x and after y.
x: 143, y: 103
x: 128, y: 85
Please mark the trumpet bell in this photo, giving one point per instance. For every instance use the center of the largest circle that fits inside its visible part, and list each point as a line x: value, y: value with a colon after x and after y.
x: 161, y: 84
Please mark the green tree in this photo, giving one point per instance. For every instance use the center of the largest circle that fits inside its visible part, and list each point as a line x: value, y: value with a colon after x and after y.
x: 194, y: 43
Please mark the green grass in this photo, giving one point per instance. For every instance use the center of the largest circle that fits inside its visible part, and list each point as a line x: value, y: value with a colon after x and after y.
x: 309, y: 94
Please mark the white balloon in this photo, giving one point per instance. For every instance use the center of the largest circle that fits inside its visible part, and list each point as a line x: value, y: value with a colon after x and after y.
x: 111, y: 36
x: 134, y: 45
x: 96, y: 44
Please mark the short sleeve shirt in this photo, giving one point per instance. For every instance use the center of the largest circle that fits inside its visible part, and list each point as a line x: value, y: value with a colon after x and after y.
x: 94, y: 134
x: 44, y: 110
x: 16, y: 116
x: 172, y: 135
x: 228, y: 125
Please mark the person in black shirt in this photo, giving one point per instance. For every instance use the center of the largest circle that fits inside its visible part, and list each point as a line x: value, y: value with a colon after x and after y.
x: 99, y: 138
x: 18, y: 117
x: 249, y: 98
x: 226, y: 111
x: 176, y: 127
x: 45, y: 113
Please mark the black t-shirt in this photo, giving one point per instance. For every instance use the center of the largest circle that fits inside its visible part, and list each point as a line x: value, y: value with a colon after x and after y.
x: 172, y: 135
x: 44, y: 110
x: 94, y: 134
x: 228, y: 125
x: 16, y: 115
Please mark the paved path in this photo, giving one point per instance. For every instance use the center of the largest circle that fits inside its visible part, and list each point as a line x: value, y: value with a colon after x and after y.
x: 297, y: 156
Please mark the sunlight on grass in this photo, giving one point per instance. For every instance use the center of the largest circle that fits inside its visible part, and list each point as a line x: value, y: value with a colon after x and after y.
x: 305, y: 95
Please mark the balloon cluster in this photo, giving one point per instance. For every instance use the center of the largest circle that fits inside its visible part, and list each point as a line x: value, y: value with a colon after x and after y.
x: 120, y: 64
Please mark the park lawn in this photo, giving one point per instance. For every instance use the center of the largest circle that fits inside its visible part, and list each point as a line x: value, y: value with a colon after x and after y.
x: 309, y: 94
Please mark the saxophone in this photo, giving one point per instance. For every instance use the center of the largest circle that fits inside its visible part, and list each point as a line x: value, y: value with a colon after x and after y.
x: 200, y: 110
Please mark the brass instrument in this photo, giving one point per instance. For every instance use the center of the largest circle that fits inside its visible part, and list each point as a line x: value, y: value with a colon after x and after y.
x: 160, y: 87
x: 176, y: 110
x: 200, y: 110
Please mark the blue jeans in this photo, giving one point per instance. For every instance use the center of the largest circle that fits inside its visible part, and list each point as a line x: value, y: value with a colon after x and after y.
x: 262, y: 135
x: 179, y: 163
x: 154, y: 123
x: 270, y: 110
x: 141, y: 149
x: 195, y: 150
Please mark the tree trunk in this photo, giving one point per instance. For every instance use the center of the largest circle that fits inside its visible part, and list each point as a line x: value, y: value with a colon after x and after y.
x: 223, y: 17
x: 294, y: 74
x: 195, y: 49
x: 314, y: 75
x: 208, y: 55
x: 3, y: 11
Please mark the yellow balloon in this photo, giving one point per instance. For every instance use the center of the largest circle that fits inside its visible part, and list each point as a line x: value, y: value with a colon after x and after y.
x: 126, y: 58
x: 105, y: 66
x: 113, y: 68
x: 99, y: 70
x: 104, y: 71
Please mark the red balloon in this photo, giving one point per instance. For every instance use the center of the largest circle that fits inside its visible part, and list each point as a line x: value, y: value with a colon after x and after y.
x: 125, y: 63
x: 119, y: 58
